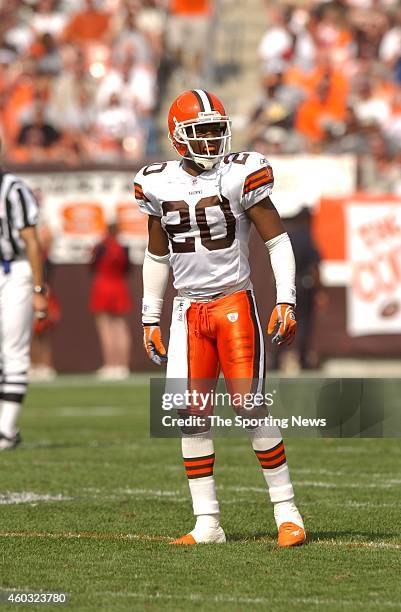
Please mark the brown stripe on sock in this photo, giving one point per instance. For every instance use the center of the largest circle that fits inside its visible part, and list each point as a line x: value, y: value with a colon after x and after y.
x: 200, y: 473
x: 276, y: 457
x: 275, y: 465
x: 271, y: 453
x: 199, y: 467
x: 194, y: 464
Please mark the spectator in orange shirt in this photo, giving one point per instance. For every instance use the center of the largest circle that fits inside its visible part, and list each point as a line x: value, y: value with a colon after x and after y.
x: 319, y: 115
x: 26, y: 88
x: 308, y: 80
x: 37, y: 140
x: 90, y: 25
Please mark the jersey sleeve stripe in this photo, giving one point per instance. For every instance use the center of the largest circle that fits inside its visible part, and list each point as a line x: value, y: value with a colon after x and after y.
x: 139, y: 195
x: 256, y: 184
x: 255, y: 175
x: 256, y: 180
x: 24, y: 207
x: 266, y: 171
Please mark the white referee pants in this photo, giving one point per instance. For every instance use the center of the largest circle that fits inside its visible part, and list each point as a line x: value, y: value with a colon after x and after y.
x: 15, y: 329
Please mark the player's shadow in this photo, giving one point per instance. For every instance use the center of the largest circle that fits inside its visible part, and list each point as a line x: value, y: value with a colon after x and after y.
x: 270, y: 537
x: 361, y: 536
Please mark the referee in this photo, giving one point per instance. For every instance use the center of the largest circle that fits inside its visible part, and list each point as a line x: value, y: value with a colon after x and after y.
x: 22, y: 294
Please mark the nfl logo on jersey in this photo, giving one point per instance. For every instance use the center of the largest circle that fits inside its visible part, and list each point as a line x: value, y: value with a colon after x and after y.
x: 232, y: 316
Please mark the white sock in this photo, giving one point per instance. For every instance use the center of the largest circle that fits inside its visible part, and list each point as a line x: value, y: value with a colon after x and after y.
x: 269, y: 448
x: 285, y: 512
x: 203, y: 490
x: 203, y: 493
x: 9, y: 417
x: 204, y: 522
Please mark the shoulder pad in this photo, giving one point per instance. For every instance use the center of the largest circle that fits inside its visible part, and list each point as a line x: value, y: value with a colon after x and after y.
x: 248, y: 159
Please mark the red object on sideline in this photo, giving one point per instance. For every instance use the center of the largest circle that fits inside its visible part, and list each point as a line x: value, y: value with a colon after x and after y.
x: 110, y: 291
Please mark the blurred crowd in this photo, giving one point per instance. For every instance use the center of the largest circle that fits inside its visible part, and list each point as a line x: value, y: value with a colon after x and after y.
x: 81, y: 79
x: 331, y: 83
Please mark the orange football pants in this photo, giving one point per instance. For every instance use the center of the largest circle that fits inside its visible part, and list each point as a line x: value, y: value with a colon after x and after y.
x: 226, y: 334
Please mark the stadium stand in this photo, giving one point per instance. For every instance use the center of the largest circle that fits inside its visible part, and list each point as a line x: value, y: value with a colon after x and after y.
x: 91, y: 80
x: 315, y: 86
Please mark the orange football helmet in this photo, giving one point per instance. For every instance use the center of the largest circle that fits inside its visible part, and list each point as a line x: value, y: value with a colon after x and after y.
x: 188, y: 111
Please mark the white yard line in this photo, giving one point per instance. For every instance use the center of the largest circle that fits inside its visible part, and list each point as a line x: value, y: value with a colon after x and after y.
x: 343, y: 485
x: 145, y: 537
x: 320, y: 601
x: 28, y: 497
x: 319, y: 484
x: 97, y: 411
x: 153, y: 492
x: 84, y: 535
x: 201, y: 597
x: 176, y: 496
x: 90, y: 380
x: 92, y: 444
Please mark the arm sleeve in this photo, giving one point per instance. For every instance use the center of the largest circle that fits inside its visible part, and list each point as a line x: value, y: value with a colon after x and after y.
x: 283, y: 264
x: 24, y: 207
x: 258, y: 183
x: 155, y: 273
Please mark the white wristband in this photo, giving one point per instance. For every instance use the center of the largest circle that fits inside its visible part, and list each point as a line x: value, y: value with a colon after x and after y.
x: 151, y: 311
x: 155, y: 273
x: 283, y: 265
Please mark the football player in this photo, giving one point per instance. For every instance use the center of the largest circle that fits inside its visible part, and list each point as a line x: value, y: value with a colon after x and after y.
x: 200, y: 209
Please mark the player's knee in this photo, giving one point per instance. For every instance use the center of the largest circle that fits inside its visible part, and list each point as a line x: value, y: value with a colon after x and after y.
x: 195, y: 425
x: 252, y: 417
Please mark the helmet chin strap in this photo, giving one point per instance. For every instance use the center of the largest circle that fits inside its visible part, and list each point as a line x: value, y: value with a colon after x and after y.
x: 205, y: 164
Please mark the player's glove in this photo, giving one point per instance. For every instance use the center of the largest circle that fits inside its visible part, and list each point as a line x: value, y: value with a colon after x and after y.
x: 153, y: 342
x: 282, y: 324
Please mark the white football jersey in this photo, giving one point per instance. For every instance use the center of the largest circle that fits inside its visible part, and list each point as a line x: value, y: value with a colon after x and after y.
x: 205, y: 219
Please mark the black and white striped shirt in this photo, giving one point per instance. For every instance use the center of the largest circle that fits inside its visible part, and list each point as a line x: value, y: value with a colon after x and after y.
x: 18, y: 209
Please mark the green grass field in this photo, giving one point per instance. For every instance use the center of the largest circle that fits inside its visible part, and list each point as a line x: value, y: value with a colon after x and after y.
x: 88, y: 504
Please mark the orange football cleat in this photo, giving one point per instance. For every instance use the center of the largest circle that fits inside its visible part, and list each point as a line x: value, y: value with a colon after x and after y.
x: 290, y: 534
x: 212, y: 535
x: 186, y: 539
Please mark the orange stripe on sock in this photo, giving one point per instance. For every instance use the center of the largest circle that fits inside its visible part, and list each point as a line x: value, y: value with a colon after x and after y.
x: 273, y: 462
x: 192, y: 462
x: 271, y: 453
x: 205, y: 471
